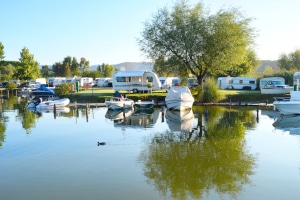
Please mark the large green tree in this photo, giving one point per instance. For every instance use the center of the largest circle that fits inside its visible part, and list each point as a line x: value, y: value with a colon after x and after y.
x: 290, y: 61
x: 28, y: 68
x: 107, y: 70
x: 202, y: 43
x: 1, y: 51
x: 84, y: 64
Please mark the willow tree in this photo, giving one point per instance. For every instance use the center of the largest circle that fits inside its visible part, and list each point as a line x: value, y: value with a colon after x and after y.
x: 202, y: 43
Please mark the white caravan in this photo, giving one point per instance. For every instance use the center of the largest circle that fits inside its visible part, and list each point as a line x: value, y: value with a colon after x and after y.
x: 104, y: 82
x: 224, y: 82
x: 166, y: 82
x: 135, y: 81
x: 85, y: 81
x: 237, y: 83
x: 243, y: 83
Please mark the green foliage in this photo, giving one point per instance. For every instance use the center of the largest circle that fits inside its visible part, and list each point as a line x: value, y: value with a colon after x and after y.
x: 11, y: 85
x: 200, y: 44
x: 7, y: 71
x: 210, y: 92
x: 28, y: 68
x: 63, y: 89
x: 1, y: 51
x: 291, y: 61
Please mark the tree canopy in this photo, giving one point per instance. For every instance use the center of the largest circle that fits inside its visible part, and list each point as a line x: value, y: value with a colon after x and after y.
x: 28, y: 67
x: 1, y: 51
x: 290, y: 61
x: 201, y: 43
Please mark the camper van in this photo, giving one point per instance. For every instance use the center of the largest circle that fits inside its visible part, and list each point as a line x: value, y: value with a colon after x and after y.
x: 135, y: 81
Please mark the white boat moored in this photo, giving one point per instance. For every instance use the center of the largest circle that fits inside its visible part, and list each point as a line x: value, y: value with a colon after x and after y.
x: 179, y: 98
x: 50, y: 103
x: 118, y: 103
x: 288, y: 106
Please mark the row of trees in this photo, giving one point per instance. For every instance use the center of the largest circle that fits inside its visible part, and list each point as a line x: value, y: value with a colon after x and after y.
x: 27, y: 68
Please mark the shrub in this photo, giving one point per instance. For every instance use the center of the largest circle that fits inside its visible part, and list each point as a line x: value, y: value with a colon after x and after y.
x: 210, y: 92
x: 63, y: 89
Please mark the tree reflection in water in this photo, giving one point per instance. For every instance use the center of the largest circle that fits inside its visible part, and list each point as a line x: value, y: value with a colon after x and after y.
x: 213, y: 158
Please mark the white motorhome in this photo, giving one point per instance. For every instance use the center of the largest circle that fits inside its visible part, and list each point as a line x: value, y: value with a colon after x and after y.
x: 85, y: 81
x: 54, y: 81
x: 135, y: 81
x: 243, y: 83
x: 166, y: 82
x: 70, y: 80
x: 104, y: 82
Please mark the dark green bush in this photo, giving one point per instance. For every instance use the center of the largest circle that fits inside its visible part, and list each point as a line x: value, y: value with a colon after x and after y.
x: 63, y: 89
x: 209, y: 93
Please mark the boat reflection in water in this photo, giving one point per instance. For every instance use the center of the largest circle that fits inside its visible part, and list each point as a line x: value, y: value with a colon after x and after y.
x: 118, y: 116
x: 50, y: 110
x: 141, y: 118
x: 289, y: 123
x: 180, y: 120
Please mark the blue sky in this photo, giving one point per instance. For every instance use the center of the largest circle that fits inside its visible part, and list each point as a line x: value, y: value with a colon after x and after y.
x: 106, y: 31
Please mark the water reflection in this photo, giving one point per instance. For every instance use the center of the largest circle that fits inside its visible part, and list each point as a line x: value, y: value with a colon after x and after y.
x: 289, y: 123
x: 213, y: 157
x: 118, y: 116
x: 134, y: 119
x: 180, y: 120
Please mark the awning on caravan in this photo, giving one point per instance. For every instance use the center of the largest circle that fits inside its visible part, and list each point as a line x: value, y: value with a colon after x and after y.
x: 130, y: 73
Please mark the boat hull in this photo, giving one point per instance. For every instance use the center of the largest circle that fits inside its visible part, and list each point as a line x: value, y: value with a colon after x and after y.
x: 51, y: 104
x: 119, y: 104
x: 288, y: 107
x: 276, y: 90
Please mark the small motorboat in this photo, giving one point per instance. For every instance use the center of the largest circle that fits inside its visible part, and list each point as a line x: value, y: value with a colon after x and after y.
x: 42, y: 91
x: 119, y: 103
x: 144, y: 104
x: 50, y: 103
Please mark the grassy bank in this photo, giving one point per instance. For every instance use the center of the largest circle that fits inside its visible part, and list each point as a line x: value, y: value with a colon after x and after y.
x: 98, y: 95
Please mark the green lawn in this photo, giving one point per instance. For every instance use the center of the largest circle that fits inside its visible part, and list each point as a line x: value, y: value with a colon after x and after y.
x: 96, y: 94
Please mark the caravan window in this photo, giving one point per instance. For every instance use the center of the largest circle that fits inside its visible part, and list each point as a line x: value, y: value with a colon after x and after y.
x: 149, y: 79
x: 123, y: 79
x: 252, y: 82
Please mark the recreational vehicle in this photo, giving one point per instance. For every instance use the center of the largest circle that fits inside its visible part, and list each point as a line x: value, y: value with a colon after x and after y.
x: 85, y: 81
x: 54, y: 81
x: 237, y: 83
x: 136, y: 81
x: 166, y: 82
x: 243, y: 83
x: 104, y: 82
x: 224, y: 82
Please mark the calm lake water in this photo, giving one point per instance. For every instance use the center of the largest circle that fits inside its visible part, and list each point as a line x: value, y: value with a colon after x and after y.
x: 211, y: 153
